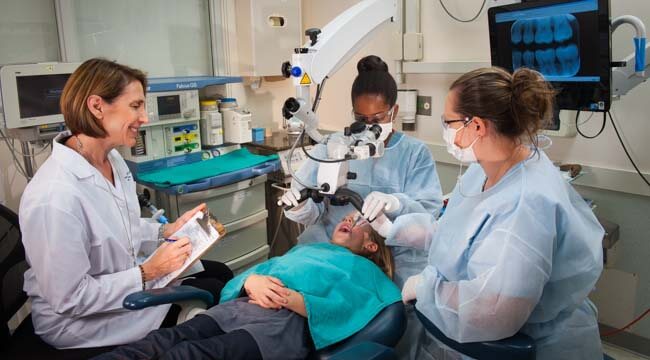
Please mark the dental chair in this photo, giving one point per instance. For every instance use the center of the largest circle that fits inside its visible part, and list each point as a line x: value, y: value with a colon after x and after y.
x: 376, y: 341
x: 517, y: 347
x: 23, y: 343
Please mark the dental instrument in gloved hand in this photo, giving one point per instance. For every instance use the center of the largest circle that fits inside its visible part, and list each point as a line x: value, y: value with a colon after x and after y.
x: 382, y: 225
x: 377, y: 202
x: 358, y: 220
x: 293, y: 198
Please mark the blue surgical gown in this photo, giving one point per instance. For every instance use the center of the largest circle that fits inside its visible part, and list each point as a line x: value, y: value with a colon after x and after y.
x: 406, y: 170
x: 521, y: 256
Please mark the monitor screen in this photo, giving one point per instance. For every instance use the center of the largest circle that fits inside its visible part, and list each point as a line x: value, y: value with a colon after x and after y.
x: 39, y: 95
x: 567, y: 41
x: 31, y: 93
x: 169, y: 105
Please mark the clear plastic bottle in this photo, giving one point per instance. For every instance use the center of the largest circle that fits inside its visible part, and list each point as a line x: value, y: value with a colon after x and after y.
x: 211, y: 123
x: 236, y: 122
x: 226, y: 104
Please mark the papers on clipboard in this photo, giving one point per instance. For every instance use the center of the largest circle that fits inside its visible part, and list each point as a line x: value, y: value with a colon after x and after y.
x: 203, y: 233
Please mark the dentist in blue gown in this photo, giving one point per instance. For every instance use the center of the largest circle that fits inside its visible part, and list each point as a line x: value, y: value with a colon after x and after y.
x: 402, y: 181
x: 517, y: 248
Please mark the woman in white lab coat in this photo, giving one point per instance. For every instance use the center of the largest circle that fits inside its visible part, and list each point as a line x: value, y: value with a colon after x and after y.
x: 517, y: 248
x: 80, y: 219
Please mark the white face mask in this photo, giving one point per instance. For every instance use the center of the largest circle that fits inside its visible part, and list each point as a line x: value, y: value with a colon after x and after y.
x: 386, y: 129
x: 467, y: 154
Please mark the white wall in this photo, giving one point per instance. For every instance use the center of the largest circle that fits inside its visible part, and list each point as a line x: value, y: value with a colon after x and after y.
x: 165, y: 37
x: 28, y: 29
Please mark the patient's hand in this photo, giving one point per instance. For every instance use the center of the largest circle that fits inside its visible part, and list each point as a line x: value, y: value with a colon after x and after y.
x: 266, y: 291
x: 296, y: 303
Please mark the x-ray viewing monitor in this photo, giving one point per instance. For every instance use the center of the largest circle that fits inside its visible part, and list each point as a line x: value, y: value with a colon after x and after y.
x: 569, y: 42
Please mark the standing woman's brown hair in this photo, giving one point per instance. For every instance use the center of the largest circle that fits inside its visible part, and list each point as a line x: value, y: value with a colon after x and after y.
x: 100, y: 77
x: 518, y: 104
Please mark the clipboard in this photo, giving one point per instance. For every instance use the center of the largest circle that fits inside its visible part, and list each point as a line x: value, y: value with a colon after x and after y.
x: 204, y: 232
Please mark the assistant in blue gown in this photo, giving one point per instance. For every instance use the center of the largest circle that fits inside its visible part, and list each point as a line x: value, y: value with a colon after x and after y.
x: 520, y: 253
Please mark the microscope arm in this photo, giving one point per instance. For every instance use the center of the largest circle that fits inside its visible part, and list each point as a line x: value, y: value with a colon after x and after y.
x: 327, y: 50
x: 626, y: 78
x: 342, y: 37
x: 632, y: 71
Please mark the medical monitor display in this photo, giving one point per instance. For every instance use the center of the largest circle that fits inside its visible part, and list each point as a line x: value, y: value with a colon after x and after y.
x: 31, y: 93
x: 169, y: 106
x: 567, y: 41
x: 39, y: 95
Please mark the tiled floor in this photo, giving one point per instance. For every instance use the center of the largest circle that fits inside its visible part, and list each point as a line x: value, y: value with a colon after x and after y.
x: 621, y: 354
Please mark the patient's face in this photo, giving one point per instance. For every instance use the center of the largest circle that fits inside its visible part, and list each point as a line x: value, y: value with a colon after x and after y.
x: 356, y: 238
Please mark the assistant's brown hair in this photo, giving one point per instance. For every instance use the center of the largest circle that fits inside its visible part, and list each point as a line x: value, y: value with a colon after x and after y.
x: 100, y: 77
x: 518, y: 104
x: 382, y: 257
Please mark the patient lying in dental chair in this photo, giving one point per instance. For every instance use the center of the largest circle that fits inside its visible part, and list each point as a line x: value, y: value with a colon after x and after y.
x: 312, y: 297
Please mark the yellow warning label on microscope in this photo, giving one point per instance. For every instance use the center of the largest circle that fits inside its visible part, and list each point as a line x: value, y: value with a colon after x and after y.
x: 305, y: 80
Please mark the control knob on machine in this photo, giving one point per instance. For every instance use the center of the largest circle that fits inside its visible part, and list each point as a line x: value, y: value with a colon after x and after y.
x: 313, y: 35
x: 286, y: 69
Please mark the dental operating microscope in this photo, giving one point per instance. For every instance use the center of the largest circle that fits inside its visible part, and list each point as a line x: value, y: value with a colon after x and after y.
x: 311, y: 65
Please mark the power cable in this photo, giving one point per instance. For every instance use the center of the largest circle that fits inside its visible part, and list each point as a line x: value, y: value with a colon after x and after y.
x: 277, y: 229
x: 326, y: 161
x: 12, y: 150
x: 462, y: 20
x: 34, y: 155
x: 590, y: 136
x: 620, y: 140
x: 591, y: 115
x: 629, y: 157
x: 616, y: 331
x: 289, y: 158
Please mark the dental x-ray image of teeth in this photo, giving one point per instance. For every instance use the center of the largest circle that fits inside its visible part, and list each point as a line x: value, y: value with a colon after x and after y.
x: 547, y: 44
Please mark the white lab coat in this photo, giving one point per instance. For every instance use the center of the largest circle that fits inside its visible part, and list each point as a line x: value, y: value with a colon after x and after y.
x: 74, y: 227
